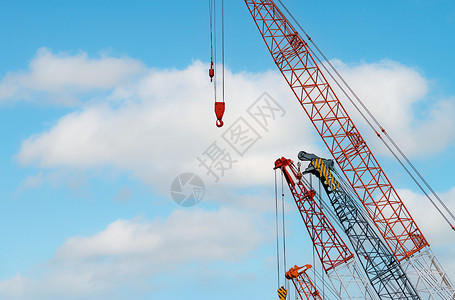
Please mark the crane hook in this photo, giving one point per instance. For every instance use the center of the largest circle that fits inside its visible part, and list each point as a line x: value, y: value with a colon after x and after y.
x: 219, y: 112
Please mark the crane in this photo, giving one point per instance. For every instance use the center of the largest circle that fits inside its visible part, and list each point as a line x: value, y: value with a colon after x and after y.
x: 381, y: 267
x: 378, y: 262
x: 337, y: 260
x: 293, y: 57
x: 302, y: 282
x: 220, y: 106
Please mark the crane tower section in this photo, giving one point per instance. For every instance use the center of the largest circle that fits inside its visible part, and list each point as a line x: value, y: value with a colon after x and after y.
x: 337, y: 260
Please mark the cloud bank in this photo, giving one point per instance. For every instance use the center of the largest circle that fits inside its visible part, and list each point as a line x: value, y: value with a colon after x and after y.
x: 154, y: 124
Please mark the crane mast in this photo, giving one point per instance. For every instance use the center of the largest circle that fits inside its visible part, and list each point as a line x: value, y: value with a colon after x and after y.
x: 293, y: 57
x: 337, y: 260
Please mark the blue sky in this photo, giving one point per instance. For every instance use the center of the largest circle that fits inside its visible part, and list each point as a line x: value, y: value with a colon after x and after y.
x: 104, y: 103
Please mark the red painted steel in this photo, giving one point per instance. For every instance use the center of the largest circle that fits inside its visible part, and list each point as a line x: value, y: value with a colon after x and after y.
x: 292, y: 56
x: 303, y: 283
x: 331, y: 249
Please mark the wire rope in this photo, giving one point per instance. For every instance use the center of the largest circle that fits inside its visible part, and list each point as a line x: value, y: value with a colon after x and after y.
x: 381, y: 129
x: 214, y: 41
x: 222, y: 46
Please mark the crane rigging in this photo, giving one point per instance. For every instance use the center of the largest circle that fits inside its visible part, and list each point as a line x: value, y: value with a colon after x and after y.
x: 337, y: 260
x: 302, y: 282
x: 298, y: 63
x: 293, y: 56
x: 377, y: 260
x: 219, y: 105
x: 381, y: 268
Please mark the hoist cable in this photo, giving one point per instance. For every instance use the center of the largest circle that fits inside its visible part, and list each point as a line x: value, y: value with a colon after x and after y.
x: 277, y: 235
x: 376, y: 122
x: 214, y: 48
x: 421, y: 177
x: 316, y: 275
x: 222, y: 44
x: 327, y: 212
x: 321, y: 207
x: 283, y: 226
x: 387, y: 145
x: 314, y: 253
x: 330, y: 288
x: 347, y: 190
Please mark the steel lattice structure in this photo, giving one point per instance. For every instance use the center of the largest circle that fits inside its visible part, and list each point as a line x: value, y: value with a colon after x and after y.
x: 336, y: 258
x: 355, y: 159
x: 302, y: 282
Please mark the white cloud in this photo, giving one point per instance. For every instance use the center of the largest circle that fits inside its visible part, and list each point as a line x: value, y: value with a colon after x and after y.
x: 57, y: 77
x: 129, y: 252
x: 398, y: 97
x: 156, y: 127
x: 153, y: 124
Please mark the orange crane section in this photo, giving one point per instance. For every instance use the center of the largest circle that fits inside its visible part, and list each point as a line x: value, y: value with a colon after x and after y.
x: 302, y: 282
